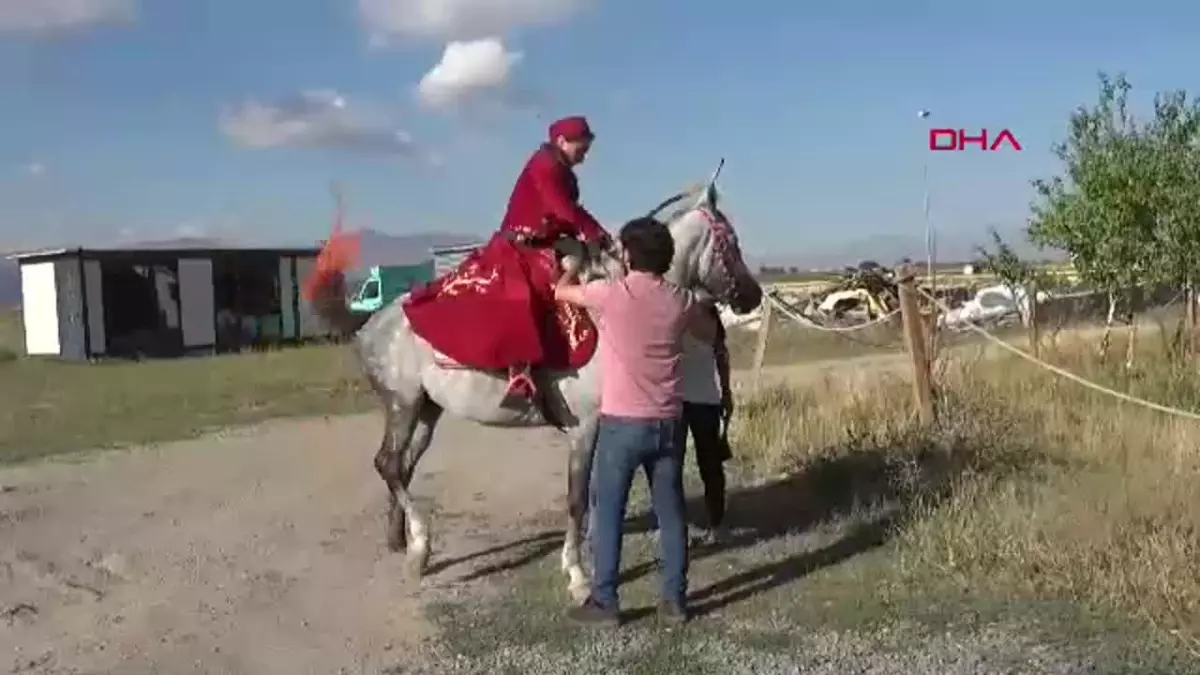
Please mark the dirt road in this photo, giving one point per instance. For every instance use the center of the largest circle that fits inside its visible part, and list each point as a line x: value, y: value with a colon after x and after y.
x: 258, y: 552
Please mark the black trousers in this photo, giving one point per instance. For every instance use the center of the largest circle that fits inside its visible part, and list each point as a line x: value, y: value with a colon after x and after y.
x: 703, y: 421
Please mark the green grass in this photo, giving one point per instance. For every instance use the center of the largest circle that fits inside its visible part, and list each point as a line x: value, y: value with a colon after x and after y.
x: 12, y: 340
x: 858, y: 612
x: 50, y: 407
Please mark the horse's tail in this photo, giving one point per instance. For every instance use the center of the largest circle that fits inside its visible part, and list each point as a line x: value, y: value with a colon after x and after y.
x: 325, y: 288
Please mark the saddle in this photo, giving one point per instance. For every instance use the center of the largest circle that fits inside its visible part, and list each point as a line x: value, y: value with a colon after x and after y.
x: 569, y: 336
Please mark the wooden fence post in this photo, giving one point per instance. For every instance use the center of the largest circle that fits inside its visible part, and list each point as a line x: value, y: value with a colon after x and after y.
x: 760, y: 349
x: 915, y: 340
x: 1034, y: 332
x: 929, y: 326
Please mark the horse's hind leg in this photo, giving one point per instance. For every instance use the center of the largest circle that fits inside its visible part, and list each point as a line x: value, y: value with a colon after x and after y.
x: 399, y: 423
x: 396, y: 532
x: 407, y: 435
x: 579, y: 471
x: 428, y: 414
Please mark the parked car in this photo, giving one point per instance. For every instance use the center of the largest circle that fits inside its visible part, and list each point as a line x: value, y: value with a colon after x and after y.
x: 385, y: 283
x: 992, y: 304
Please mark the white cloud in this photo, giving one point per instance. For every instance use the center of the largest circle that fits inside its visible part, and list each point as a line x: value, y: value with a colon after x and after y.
x: 35, y: 169
x: 388, y: 20
x: 315, y: 119
x: 43, y: 16
x: 469, y: 71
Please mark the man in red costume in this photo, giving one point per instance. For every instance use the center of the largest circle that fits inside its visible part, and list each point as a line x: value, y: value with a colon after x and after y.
x: 495, y: 310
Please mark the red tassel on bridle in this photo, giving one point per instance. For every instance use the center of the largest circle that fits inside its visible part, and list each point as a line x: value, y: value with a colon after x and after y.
x: 338, y: 254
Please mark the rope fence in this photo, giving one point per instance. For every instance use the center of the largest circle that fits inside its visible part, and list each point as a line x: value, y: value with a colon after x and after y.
x: 917, y: 340
x: 796, y: 315
x: 773, y: 303
x: 1062, y: 372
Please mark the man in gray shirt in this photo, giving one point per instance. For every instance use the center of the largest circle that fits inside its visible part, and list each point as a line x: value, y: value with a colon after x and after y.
x: 707, y: 404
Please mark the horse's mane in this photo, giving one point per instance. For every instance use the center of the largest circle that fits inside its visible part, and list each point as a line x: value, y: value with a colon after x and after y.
x: 688, y: 198
x: 684, y: 202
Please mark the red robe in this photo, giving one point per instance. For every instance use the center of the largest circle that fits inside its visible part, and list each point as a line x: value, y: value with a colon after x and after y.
x: 545, y: 201
x: 497, y: 309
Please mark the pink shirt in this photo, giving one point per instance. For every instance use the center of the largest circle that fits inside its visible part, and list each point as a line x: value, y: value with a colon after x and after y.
x: 642, y: 319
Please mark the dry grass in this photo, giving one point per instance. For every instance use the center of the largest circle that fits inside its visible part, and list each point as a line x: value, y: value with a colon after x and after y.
x: 1030, y: 484
x: 789, y: 343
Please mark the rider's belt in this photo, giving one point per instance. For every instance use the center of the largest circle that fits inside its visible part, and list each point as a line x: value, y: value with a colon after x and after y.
x: 527, y: 240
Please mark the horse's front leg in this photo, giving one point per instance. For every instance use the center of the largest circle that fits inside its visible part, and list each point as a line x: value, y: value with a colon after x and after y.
x: 582, y: 440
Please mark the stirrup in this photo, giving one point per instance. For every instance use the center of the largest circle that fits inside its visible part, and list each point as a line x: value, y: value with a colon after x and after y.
x: 521, y: 384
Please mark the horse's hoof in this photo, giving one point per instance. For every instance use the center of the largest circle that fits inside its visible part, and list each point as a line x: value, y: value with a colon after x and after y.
x: 414, y: 565
x: 579, y: 593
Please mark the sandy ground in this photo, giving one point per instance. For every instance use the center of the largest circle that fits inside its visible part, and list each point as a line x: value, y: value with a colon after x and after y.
x: 257, y: 552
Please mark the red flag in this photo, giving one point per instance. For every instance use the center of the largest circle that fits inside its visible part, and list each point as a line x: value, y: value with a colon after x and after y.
x: 338, y: 254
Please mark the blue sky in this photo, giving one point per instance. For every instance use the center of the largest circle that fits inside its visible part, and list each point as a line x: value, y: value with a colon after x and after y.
x: 151, y: 118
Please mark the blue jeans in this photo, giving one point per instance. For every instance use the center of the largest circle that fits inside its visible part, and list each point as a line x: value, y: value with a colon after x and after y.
x: 622, y: 445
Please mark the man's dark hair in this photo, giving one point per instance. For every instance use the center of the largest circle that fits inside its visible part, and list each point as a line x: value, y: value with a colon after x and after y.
x: 649, y: 244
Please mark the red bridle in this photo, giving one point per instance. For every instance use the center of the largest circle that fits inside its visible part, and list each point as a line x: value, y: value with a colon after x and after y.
x: 726, y: 250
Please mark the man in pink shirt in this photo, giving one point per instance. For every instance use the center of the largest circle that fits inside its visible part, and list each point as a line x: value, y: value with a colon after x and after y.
x: 642, y: 321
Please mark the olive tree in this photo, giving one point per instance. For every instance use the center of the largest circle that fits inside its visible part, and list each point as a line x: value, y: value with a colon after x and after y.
x: 1103, y: 209
x: 1174, y: 131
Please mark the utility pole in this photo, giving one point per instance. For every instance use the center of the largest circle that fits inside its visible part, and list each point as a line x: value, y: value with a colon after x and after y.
x: 930, y: 237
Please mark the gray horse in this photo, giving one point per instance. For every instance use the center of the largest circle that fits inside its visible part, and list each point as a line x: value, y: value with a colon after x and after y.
x: 415, y: 390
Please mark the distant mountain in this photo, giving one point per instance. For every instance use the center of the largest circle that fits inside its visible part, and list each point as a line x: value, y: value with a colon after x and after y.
x: 177, y: 243
x: 381, y: 248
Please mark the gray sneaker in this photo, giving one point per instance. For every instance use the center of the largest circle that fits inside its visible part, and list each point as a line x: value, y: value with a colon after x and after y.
x: 673, y: 613
x: 592, y: 614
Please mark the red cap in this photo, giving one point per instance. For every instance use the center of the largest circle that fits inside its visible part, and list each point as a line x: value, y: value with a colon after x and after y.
x: 571, y: 128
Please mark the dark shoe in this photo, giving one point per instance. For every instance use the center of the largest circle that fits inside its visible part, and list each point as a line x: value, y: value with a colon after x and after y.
x: 592, y: 614
x: 716, y: 535
x: 673, y: 613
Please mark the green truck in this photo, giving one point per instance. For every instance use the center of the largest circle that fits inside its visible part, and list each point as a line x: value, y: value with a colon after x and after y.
x: 385, y: 283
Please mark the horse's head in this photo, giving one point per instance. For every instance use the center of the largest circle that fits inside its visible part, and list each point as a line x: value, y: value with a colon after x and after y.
x: 707, y: 253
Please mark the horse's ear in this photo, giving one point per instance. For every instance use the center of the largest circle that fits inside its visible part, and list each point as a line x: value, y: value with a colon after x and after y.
x: 708, y: 196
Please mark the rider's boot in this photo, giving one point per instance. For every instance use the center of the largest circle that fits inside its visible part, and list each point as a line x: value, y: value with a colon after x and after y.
x: 520, y: 382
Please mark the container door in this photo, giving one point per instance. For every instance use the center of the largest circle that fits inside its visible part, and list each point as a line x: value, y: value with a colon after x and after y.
x: 196, y: 302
